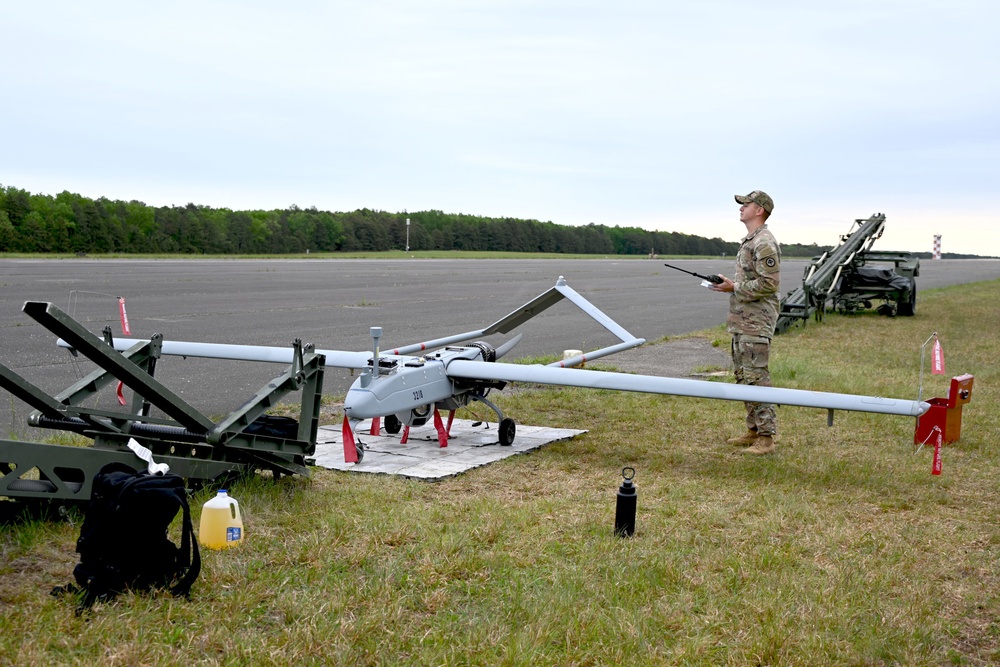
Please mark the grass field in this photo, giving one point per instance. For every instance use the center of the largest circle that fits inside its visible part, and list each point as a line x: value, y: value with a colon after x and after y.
x: 840, y: 549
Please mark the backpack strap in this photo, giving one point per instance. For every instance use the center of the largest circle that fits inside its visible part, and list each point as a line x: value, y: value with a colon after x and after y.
x: 189, y: 552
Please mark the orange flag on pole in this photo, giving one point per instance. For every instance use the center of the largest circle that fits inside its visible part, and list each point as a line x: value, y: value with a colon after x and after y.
x: 124, y: 316
x: 127, y: 332
x: 937, y: 358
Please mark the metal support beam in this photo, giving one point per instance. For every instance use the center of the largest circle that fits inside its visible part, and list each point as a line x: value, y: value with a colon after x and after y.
x: 61, y: 324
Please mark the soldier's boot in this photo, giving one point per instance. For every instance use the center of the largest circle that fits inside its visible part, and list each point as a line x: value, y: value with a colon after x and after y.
x: 745, y: 440
x: 763, y: 445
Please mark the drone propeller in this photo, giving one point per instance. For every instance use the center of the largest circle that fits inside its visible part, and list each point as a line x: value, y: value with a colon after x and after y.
x: 509, y: 345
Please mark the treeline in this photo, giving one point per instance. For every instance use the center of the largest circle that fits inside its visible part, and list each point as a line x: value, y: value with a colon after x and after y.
x: 71, y: 223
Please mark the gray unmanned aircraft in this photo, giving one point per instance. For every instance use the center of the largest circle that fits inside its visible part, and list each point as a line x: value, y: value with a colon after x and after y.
x: 408, y: 386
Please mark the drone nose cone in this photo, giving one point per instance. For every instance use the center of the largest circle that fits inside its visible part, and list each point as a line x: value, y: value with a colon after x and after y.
x: 359, y: 403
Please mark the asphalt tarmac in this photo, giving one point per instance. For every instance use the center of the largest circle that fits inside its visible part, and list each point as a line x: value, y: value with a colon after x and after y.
x: 333, y: 303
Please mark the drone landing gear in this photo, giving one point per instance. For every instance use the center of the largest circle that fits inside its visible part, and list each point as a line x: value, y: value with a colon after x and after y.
x: 507, y: 429
x: 392, y: 424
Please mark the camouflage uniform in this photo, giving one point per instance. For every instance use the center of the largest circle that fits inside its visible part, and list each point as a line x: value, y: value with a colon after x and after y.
x: 753, y: 312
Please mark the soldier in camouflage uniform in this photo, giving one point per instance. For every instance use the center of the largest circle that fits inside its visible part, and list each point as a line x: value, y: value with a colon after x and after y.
x: 753, y: 312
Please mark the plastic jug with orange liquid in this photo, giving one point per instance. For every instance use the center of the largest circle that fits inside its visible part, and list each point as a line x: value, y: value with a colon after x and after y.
x: 221, y: 525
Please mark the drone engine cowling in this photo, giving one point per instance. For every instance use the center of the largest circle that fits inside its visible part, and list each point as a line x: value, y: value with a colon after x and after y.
x: 488, y: 352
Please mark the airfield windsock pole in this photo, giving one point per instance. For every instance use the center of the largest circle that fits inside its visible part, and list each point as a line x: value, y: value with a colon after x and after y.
x: 937, y: 247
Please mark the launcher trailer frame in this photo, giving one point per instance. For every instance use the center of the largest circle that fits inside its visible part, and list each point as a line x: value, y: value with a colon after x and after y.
x: 852, y: 277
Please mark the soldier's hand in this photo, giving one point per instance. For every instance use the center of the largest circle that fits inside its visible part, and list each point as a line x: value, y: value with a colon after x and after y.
x: 725, y: 286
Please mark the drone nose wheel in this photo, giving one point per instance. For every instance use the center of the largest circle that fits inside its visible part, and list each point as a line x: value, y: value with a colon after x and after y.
x: 392, y: 424
x: 506, y: 432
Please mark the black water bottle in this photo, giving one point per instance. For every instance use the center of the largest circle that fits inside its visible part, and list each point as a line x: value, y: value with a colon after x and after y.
x: 625, y: 509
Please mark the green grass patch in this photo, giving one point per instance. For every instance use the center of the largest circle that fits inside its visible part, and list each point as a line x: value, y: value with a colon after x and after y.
x: 840, y: 549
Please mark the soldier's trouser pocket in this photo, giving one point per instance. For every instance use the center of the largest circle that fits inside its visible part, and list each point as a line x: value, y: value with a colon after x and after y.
x: 751, y: 355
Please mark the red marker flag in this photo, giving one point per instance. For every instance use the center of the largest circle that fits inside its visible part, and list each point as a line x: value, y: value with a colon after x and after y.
x: 937, y: 358
x: 936, y: 465
x: 350, y: 448
x: 124, y: 316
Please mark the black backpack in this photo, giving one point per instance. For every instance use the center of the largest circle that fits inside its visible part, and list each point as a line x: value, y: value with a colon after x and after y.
x: 123, y: 542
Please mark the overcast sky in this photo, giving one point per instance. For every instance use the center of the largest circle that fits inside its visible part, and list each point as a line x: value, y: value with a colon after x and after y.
x: 647, y: 113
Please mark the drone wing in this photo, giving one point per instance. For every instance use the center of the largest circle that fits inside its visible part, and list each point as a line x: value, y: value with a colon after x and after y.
x: 477, y: 370
x: 509, y: 345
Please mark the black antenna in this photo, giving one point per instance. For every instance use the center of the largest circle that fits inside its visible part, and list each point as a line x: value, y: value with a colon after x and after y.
x: 712, y: 279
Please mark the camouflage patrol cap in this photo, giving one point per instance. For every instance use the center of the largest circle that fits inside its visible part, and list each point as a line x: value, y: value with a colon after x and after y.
x: 758, y: 197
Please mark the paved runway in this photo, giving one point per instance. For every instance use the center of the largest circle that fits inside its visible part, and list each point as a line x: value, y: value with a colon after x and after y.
x: 332, y: 303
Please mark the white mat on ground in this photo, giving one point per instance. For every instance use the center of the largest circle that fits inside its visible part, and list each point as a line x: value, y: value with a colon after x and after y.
x: 422, y: 458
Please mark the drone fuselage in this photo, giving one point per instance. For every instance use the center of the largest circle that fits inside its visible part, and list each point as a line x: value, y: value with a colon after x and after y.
x: 410, y: 387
